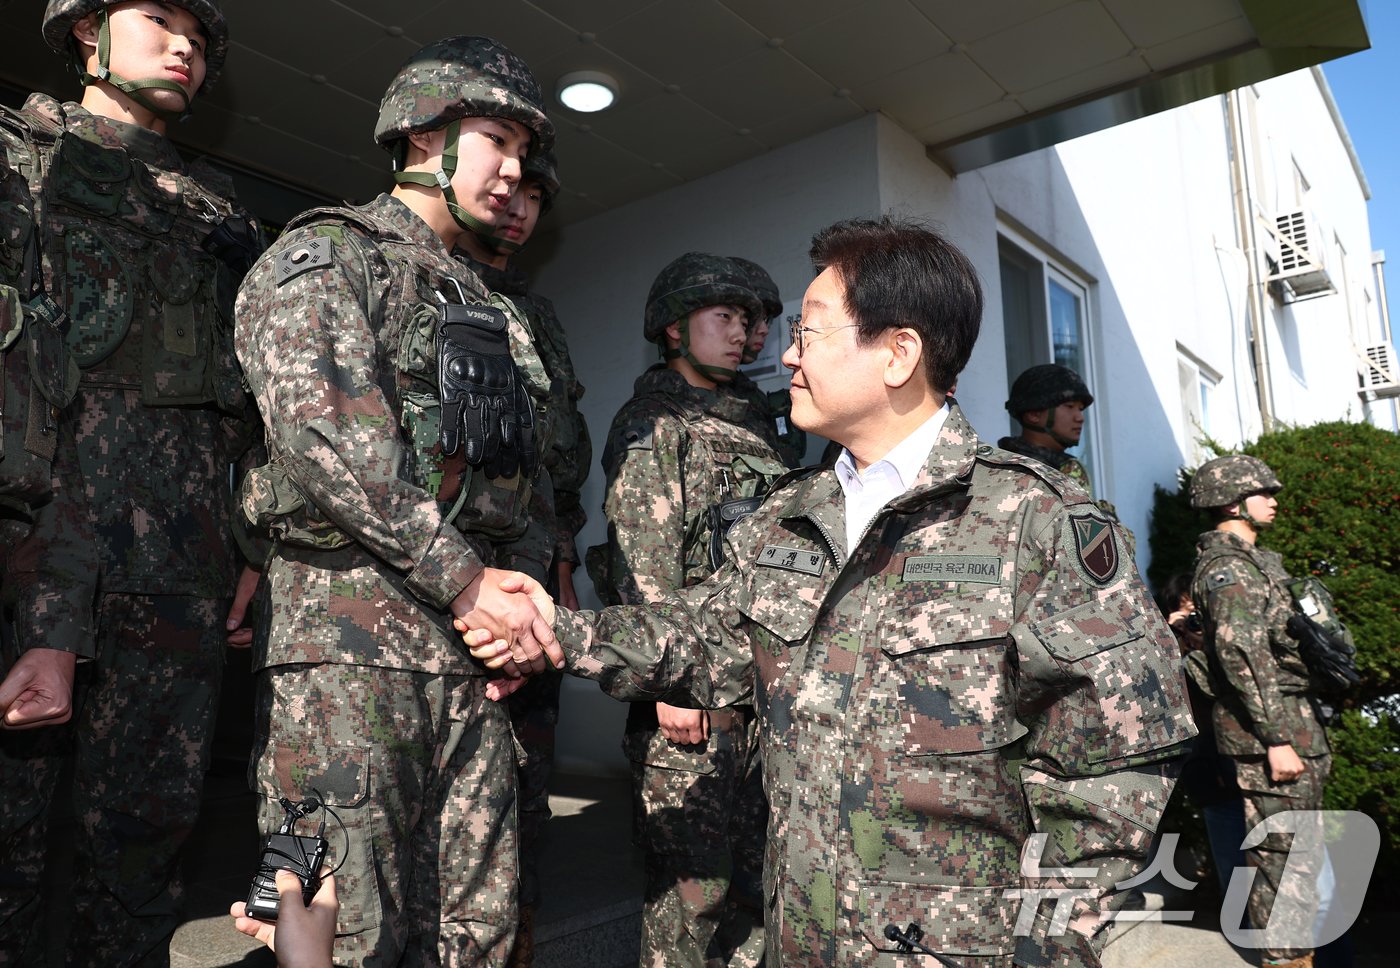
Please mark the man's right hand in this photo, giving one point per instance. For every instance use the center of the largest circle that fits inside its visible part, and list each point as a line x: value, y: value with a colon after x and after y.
x: 1284, y: 764
x: 518, y: 612
x: 39, y: 690
x: 684, y: 727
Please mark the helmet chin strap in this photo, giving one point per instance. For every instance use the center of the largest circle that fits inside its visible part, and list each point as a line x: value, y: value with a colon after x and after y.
x: 719, y: 374
x: 131, y: 89
x: 442, y: 180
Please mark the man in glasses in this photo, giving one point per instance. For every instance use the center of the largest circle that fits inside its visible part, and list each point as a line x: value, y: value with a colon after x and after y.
x: 966, y: 701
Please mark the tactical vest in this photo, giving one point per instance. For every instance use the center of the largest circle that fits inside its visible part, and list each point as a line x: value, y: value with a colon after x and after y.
x: 406, y: 317
x: 122, y: 246
x: 740, y: 467
x: 1292, y: 675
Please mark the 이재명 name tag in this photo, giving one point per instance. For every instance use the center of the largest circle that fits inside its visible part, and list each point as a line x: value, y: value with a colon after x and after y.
x: 978, y: 569
x: 776, y: 556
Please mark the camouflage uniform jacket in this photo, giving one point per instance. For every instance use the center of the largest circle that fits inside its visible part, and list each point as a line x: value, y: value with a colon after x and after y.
x: 48, y: 566
x: 161, y: 413
x: 1261, y: 681
x: 1063, y: 462
x: 674, y: 452
x: 336, y: 329
x: 569, y: 452
x: 984, y: 665
x: 776, y: 408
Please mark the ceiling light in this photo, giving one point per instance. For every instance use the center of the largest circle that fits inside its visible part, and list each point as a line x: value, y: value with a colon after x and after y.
x: 586, y: 91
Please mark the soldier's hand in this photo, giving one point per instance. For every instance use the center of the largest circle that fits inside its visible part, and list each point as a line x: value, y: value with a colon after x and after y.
x: 684, y: 727
x: 1284, y: 764
x: 240, y: 634
x: 518, y: 612
x: 39, y: 690
x: 303, y: 936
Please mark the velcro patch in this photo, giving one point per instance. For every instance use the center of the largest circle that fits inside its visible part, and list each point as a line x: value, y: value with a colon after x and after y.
x: 1095, y: 547
x: 978, y: 569
x: 1220, y: 579
x: 304, y: 257
x: 792, y: 559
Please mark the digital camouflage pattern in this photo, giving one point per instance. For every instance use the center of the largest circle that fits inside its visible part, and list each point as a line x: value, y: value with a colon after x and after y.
x: 772, y: 410
x: 1261, y: 686
x: 674, y: 452
x: 61, y: 15
x: 462, y: 77
x: 161, y: 420
x: 972, y: 672
x: 1046, y: 386
x: 693, y: 281
x: 541, y: 167
x: 336, y: 329
x: 1063, y: 462
x: 762, y: 285
x: 1223, y: 481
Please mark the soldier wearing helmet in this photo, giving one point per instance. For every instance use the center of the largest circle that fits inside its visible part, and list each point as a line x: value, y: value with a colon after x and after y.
x: 143, y: 251
x: 1049, y: 401
x: 1264, y: 716
x: 774, y: 406
x: 397, y: 393
x: 550, y: 553
x: 685, y: 459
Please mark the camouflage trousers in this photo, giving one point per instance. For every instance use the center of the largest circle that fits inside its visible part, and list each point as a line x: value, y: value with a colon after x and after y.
x: 534, y: 715
x: 139, y: 744
x: 1263, y: 798
x: 701, y: 820
x: 420, y: 770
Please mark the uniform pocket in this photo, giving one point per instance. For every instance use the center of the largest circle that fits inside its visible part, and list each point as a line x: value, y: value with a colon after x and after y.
x: 90, y: 177
x: 100, y: 295
x: 178, y: 339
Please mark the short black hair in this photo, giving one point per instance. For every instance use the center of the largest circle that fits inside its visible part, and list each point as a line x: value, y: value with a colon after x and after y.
x: 897, y: 272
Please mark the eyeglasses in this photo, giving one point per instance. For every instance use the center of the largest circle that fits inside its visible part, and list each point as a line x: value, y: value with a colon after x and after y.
x: 796, y: 332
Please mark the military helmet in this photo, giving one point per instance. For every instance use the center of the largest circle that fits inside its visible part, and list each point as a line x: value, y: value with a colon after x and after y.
x: 61, y: 15
x: 461, y: 77
x: 694, y: 281
x: 762, y: 284
x: 541, y: 166
x: 1223, y: 481
x: 1046, y: 386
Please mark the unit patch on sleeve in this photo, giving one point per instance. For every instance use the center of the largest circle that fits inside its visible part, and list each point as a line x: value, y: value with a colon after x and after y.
x: 1095, y: 549
x: 792, y: 559
x: 303, y: 258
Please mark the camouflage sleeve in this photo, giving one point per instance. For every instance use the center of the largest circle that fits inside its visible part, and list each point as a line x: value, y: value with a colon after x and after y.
x: 1237, y: 600
x: 571, y: 472
x: 645, y: 504
x: 53, y: 569
x: 533, y: 551
x: 1102, y: 696
x: 312, y: 358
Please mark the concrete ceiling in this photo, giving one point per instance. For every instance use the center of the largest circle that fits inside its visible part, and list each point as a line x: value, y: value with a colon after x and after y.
x: 708, y: 83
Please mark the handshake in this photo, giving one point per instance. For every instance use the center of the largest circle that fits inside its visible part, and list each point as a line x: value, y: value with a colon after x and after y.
x: 507, y: 621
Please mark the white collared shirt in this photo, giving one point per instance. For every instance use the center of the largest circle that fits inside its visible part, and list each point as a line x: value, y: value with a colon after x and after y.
x: 886, y: 479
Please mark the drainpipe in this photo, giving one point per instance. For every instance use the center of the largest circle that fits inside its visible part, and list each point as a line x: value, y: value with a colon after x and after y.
x: 1246, y: 232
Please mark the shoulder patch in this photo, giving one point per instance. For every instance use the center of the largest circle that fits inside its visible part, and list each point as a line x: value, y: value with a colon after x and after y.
x: 1095, y: 548
x: 1219, y: 579
x: 303, y: 257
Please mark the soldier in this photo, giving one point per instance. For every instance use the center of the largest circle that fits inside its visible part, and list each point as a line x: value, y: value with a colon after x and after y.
x: 774, y: 405
x: 48, y: 565
x: 956, y: 667
x: 402, y: 441
x: 1049, y: 401
x: 144, y: 252
x: 684, y: 459
x: 565, y: 453
x: 1262, y: 715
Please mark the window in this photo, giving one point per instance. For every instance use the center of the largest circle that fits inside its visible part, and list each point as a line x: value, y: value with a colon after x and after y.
x: 1045, y: 314
x: 1198, y: 384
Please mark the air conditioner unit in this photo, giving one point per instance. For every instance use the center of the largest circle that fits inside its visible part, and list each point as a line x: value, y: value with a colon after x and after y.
x: 1380, y: 377
x: 1301, y: 263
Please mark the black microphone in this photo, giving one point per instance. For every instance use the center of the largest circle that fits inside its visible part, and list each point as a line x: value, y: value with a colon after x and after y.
x: 908, y: 941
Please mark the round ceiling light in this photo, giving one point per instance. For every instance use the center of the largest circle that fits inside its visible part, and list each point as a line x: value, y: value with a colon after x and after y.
x: 586, y: 91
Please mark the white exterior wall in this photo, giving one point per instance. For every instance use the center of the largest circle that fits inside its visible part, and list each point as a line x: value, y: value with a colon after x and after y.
x: 1142, y: 212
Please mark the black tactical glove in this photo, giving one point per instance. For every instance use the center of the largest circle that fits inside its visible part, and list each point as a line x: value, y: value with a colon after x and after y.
x: 485, y: 406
